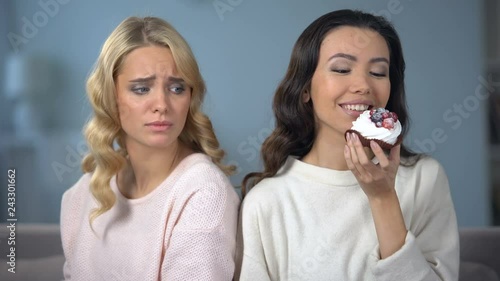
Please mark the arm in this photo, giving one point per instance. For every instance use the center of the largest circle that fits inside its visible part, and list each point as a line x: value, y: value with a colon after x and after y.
x: 389, y: 223
x: 65, y: 236
x: 202, y: 244
x: 66, y: 271
x: 378, y: 183
x: 250, y: 260
x: 70, y: 211
x: 429, y: 250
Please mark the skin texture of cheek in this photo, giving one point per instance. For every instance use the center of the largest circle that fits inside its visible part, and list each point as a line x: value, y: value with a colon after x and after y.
x: 183, y: 107
x: 126, y: 109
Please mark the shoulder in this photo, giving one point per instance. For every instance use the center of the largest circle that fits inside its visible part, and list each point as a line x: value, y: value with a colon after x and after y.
x: 199, y: 168
x: 76, y: 197
x: 80, y: 189
x: 267, y: 188
x: 267, y: 195
x: 266, y: 205
x: 428, y: 163
x: 199, y: 175
x: 427, y: 176
x: 425, y: 166
x: 75, y: 201
x: 205, y: 181
x: 206, y: 191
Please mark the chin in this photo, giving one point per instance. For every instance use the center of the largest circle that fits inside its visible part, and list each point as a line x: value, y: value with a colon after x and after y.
x: 160, y: 144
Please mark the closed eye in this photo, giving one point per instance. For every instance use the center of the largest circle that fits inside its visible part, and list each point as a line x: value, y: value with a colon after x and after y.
x: 378, y: 74
x: 341, y: 71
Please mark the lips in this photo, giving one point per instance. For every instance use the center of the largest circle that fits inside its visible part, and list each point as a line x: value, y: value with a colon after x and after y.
x: 159, y: 123
x: 159, y: 126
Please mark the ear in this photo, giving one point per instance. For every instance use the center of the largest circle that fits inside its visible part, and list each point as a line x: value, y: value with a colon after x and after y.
x: 306, y: 96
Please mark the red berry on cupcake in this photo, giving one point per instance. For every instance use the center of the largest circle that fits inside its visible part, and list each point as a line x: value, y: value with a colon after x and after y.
x: 388, y: 123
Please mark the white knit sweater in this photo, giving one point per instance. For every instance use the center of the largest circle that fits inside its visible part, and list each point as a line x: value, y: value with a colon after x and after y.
x: 183, y: 230
x: 313, y: 223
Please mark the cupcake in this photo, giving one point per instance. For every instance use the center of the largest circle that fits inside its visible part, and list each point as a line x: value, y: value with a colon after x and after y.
x: 379, y: 125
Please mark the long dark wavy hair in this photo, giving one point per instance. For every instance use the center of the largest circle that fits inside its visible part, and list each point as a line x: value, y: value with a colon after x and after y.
x: 295, y: 125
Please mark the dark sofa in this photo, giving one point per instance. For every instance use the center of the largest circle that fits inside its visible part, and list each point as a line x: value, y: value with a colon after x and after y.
x: 480, y: 254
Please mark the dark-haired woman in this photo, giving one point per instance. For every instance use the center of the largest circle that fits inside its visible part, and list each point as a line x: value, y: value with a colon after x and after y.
x: 325, y: 207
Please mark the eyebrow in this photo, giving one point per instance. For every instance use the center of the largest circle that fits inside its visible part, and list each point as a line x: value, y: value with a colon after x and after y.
x: 175, y: 79
x: 153, y: 77
x: 380, y: 59
x: 144, y: 79
x: 345, y: 56
x: 353, y: 58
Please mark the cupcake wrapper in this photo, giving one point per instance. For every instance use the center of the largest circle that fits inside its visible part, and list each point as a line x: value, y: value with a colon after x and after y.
x: 366, y: 142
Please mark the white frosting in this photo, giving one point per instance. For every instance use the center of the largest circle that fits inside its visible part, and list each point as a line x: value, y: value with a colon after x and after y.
x: 369, y: 130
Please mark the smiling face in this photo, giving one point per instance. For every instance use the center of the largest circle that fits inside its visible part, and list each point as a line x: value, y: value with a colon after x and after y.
x: 351, y: 76
x: 153, y: 101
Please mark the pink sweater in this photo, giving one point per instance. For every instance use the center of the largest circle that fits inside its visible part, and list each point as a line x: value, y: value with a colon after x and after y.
x: 183, y: 230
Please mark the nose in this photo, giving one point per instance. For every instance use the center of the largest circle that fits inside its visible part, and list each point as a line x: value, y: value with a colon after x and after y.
x: 360, y: 85
x: 160, y: 102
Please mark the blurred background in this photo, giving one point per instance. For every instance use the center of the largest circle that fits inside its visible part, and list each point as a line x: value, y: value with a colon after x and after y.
x: 452, y: 50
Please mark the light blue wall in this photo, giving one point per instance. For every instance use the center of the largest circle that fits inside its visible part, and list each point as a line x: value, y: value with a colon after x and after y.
x: 243, y: 53
x: 4, y: 49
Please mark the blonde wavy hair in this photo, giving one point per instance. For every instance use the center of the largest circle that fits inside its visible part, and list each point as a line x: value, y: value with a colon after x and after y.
x: 104, y: 131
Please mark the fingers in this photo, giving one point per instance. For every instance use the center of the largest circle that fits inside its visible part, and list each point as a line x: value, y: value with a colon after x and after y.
x: 390, y: 163
x: 348, y: 159
x: 395, y: 155
x: 357, y: 159
x: 359, y: 151
x: 379, y: 153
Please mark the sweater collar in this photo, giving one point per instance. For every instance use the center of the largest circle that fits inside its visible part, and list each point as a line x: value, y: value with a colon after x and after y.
x: 170, y: 180
x: 318, y: 174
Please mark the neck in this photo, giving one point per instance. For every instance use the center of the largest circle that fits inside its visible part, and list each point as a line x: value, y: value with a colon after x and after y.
x: 328, y: 151
x: 147, y: 167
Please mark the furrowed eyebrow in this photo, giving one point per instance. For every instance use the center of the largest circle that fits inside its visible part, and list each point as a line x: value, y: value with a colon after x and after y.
x: 175, y: 79
x: 144, y: 79
x: 153, y: 77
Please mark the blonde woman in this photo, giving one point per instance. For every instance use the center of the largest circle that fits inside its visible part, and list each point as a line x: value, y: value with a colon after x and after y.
x: 154, y: 202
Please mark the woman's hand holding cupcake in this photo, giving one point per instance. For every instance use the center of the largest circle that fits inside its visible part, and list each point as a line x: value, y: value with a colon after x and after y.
x: 376, y: 180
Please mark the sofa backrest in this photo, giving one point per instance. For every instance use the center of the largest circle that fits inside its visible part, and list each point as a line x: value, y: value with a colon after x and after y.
x: 480, y: 254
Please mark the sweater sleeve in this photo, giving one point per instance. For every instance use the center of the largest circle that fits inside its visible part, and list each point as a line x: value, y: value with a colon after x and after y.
x: 250, y: 259
x: 431, y: 249
x: 70, y: 210
x: 202, y: 245
x: 64, y: 235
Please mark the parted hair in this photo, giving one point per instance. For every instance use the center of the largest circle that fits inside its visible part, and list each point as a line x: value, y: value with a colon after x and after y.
x: 294, y: 132
x: 103, y: 132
